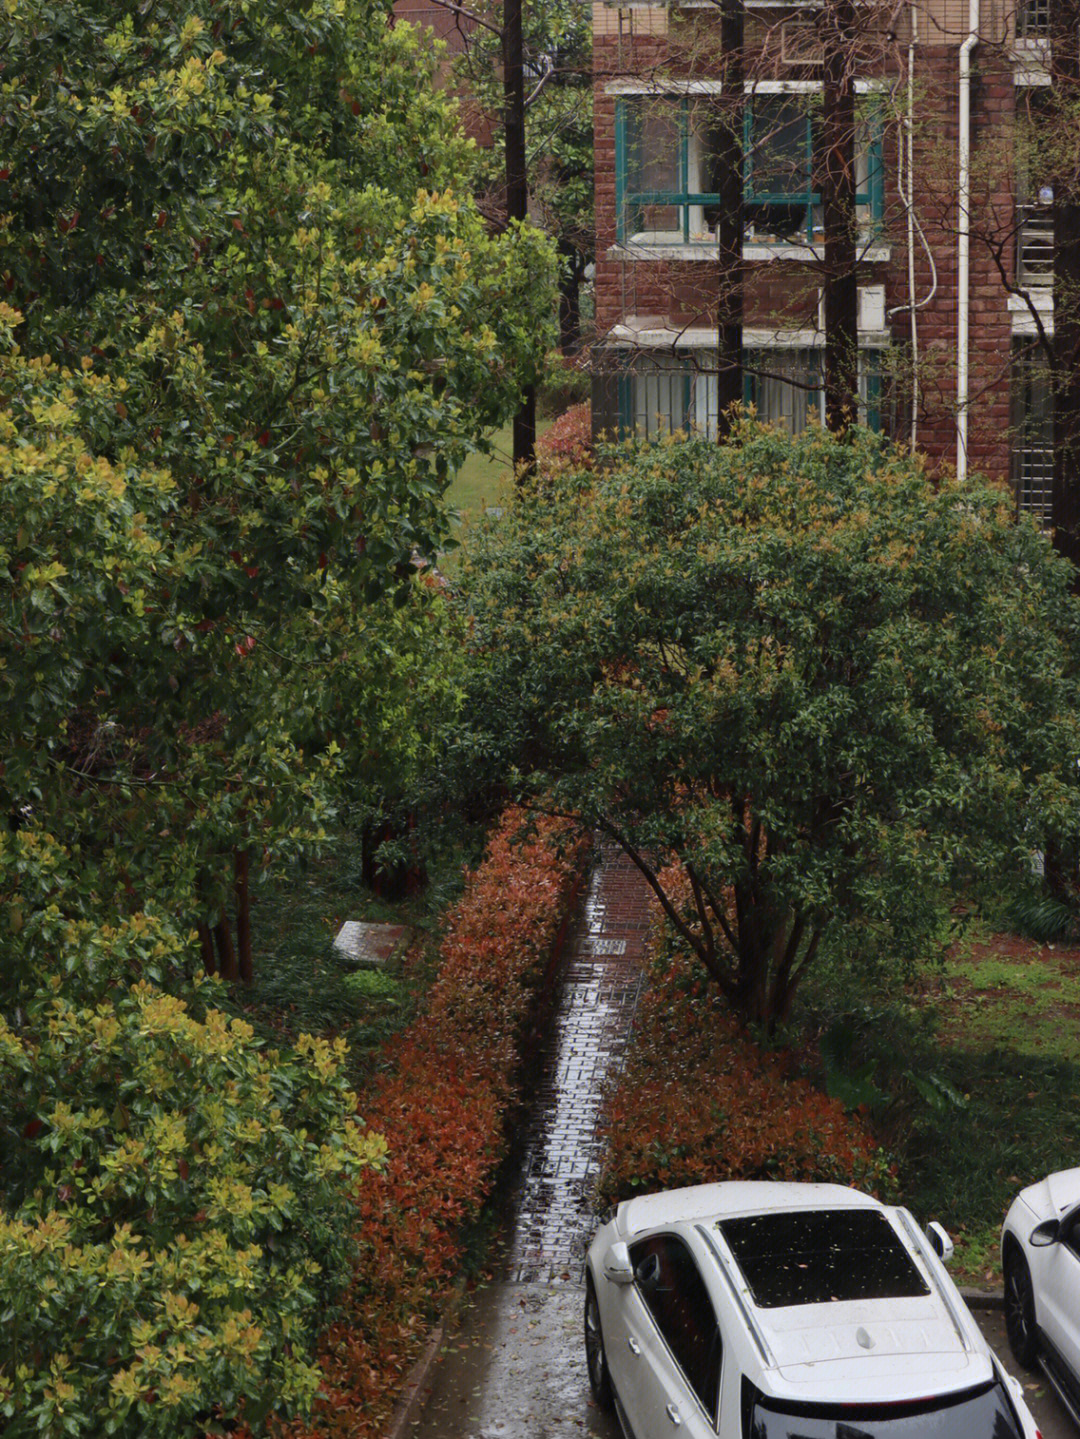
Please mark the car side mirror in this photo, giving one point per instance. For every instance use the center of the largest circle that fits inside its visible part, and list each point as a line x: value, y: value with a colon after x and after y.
x: 1044, y: 1234
x: 940, y: 1242
x: 617, y: 1266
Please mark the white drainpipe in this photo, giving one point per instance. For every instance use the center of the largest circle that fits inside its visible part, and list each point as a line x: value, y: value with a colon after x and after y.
x: 963, y: 245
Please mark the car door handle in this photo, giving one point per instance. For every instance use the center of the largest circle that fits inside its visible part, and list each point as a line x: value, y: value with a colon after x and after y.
x: 633, y: 1346
x: 674, y: 1415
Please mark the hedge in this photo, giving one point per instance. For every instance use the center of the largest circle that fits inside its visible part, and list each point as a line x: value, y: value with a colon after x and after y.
x: 449, y: 1084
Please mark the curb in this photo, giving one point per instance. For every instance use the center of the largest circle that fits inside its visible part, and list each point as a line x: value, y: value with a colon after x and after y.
x: 412, y: 1398
x: 983, y: 1298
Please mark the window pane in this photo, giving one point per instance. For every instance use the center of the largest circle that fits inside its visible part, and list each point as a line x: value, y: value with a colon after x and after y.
x: 652, y: 162
x: 674, y: 1292
x: 1033, y: 435
x: 780, y: 146
x: 658, y: 399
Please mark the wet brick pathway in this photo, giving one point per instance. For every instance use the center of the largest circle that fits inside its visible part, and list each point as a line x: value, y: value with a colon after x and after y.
x: 516, y: 1368
x: 600, y: 984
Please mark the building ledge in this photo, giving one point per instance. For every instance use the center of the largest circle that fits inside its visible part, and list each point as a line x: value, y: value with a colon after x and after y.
x: 1023, y: 321
x: 752, y: 250
x: 649, y: 335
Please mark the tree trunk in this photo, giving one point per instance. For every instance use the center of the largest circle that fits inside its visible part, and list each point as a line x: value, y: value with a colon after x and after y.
x: 243, y: 918
x: 517, y: 197
x: 835, y: 167
x: 1065, y: 79
x: 206, y: 945
x: 729, y: 223
x: 570, y: 304
x: 227, y: 966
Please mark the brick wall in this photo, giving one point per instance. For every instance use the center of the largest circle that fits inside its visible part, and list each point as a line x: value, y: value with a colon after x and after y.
x: 783, y: 292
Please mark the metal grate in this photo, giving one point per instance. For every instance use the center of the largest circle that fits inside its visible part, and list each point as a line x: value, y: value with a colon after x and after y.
x: 1033, y: 436
x: 1032, y: 19
x: 1035, y: 247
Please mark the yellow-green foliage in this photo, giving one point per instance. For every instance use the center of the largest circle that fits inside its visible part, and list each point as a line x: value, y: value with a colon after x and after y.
x: 177, y: 1219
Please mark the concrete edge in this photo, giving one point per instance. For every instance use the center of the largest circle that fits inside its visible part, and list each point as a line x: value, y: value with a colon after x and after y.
x: 983, y: 1298
x: 412, y: 1397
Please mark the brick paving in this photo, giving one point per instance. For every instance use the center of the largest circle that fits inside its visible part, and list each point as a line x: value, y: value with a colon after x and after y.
x: 515, y: 1369
x: 600, y: 984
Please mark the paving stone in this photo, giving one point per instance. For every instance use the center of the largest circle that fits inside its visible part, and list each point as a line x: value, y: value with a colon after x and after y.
x: 369, y: 946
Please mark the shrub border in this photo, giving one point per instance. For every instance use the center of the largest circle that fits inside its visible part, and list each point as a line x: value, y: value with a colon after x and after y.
x: 500, y: 951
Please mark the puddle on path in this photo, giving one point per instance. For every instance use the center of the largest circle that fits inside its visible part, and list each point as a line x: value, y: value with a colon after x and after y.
x: 516, y: 1367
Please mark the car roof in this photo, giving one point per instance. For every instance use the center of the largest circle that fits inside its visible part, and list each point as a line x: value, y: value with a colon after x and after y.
x: 877, y: 1349
x: 733, y: 1197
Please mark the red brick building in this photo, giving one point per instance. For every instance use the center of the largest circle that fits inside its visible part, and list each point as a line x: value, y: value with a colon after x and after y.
x: 947, y: 94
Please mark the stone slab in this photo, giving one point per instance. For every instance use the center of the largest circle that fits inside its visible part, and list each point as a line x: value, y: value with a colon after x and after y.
x: 369, y: 946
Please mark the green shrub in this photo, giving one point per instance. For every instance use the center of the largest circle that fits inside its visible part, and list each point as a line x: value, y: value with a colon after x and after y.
x: 176, y: 1221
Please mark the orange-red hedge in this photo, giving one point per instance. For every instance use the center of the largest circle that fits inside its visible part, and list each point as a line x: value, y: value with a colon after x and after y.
x: 442, y: 1105
x: 569, y: 437
x: 697, y: 1101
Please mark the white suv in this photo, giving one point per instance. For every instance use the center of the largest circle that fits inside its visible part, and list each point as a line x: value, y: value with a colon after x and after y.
x: 1040, y: 1258
x: 765, y: 1311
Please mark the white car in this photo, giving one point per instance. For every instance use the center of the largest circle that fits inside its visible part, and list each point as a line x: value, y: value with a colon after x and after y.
x: 786, y: 1311
x: 1040, y: 1258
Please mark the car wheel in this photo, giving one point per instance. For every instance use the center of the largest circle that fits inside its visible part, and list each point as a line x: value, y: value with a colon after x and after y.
x: 595, y: 1358
x: 1020, y: 1311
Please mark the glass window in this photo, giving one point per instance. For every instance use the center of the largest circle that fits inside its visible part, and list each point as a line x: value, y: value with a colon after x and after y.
x: 984, y: 1413
x: 821, y: 1255
x: 667, y: 184
x: 674, y: 1293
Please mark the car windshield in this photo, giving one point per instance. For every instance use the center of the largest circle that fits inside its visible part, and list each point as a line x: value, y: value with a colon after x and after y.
x: 816, y: 1256
x: 979, y: 1414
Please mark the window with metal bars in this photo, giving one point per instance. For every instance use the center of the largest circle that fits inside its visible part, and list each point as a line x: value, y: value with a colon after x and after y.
x: 1032, y: 19
x: 660, y: 394
x: 1032, y: 431
x: 1034, y: 196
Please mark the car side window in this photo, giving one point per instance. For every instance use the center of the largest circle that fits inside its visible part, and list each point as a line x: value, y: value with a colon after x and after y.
x: 674, y: 1292
x: 1071, y: 1237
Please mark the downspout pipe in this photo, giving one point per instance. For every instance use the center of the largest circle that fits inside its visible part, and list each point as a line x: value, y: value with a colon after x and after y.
x: 963, y: 243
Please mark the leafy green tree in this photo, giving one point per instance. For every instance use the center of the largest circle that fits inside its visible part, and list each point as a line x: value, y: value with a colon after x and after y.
x: 557, y: 45
x: 177, y: 1219
x: 246, y: 287
x: 804, y: 686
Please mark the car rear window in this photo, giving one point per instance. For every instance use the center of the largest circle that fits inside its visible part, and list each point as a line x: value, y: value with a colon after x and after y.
x: 816, y: 1256
x: 979, y: 1414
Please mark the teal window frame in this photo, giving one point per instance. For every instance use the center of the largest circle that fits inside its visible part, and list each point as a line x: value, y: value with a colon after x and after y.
x: 628, y: 201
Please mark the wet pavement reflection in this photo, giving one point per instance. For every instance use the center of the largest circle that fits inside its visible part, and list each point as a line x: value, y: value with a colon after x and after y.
x: 516, y: 1367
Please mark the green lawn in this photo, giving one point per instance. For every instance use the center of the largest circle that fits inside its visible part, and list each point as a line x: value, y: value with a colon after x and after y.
x: 485, y: 480
x: 972, y: 1080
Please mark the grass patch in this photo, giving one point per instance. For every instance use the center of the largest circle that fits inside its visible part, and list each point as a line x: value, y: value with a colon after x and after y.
x: 302, y: 984
x: 486, y: 480
x: 971, y: 1076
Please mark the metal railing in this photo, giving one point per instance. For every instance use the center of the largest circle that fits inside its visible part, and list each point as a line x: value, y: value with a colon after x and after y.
x: 1035, y: 247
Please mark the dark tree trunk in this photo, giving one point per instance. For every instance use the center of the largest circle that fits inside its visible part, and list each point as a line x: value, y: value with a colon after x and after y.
x: 227, y: 966
x: 835, y: 167
x: 206, y: 946
x: 243, y: 918
x: 729, y: 224
x: 517, y: 196
x: 1065, y: 79
x: 570, y: 304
